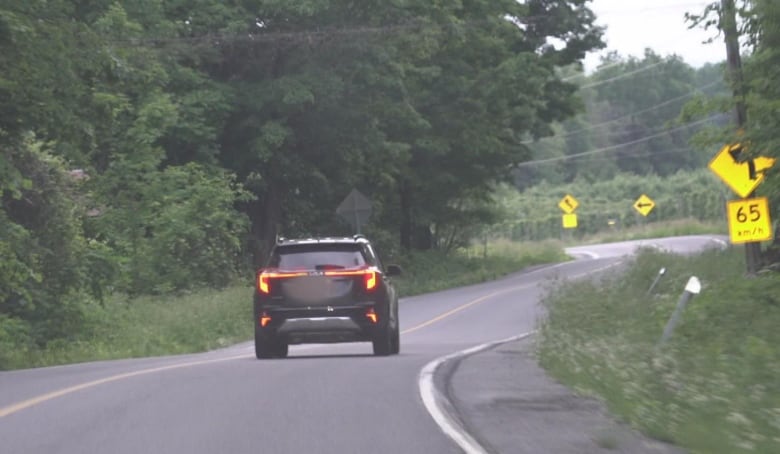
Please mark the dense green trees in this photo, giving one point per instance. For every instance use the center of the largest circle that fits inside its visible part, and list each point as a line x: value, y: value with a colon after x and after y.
x: 630, y: 122
x: 754, y: 85
x: 763, y: 98
x: 149, y: 146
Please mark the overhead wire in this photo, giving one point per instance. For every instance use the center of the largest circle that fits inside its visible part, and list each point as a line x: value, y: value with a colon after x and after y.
x: 624, y: 75
x: 264, y: 36
x: 620, y: 145
x: 693, y: 92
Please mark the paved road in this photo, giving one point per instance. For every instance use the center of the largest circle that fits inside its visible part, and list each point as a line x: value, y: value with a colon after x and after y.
x: 323, y: 399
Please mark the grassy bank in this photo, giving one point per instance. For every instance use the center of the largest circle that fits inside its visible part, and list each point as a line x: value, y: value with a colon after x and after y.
x: 713, y: 388
x: 209, y: 319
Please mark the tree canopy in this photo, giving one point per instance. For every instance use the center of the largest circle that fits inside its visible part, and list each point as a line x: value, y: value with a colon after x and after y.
x: 150, y: 146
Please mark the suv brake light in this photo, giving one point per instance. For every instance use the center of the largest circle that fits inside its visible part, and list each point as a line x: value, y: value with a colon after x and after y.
x: 369, y: 276
x: 370, y: 280
x: 264, y: 277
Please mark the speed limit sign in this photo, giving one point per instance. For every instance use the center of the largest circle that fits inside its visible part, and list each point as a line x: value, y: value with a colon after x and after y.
x: 749, y: 220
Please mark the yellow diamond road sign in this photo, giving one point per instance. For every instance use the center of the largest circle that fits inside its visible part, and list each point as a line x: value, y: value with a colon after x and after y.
x: 644, y: 205
x: 742, y: 177
x: 568, y: 204
x: 570, y: 221
x: 749, y: 220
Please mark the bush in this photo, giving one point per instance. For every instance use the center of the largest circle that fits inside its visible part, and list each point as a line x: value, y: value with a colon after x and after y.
x: 713, y: 388
x: 181, y: 231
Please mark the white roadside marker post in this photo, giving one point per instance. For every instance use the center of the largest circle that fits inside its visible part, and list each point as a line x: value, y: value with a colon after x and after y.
x: 692, y: 288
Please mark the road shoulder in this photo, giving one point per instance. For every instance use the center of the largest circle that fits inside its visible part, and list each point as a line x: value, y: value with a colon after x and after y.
x: 510, y: 405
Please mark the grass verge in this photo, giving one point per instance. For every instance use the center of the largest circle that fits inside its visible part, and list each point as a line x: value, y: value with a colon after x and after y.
x: 431, y: 271
x: 209, y: 319
x: 713, y: 388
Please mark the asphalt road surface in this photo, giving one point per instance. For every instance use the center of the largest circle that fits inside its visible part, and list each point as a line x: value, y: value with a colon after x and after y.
x: 322, y: 399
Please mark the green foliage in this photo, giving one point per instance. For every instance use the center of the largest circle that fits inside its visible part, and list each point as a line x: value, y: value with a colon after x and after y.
x: 178, y: 229
x: 42, y: 247
x: 763, y: 99
x: 632, y: 122
x: 196, y: 131
x: 433, y: 270
x: 712, y: 388
x: 534, y: 213
x: 760, y: 35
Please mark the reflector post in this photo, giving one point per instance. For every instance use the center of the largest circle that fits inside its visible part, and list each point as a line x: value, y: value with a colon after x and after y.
x: 371, y: 315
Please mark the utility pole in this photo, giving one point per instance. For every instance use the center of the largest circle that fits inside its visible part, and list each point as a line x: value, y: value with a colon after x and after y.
x: 728, y: 23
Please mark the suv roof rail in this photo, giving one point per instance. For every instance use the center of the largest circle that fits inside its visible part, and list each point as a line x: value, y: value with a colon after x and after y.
x: 358, y: 235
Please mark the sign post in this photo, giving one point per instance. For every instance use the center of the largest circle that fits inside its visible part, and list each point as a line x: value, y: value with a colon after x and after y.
x: 749, y: 221
x: 355, y: 209
x: 568, y: 205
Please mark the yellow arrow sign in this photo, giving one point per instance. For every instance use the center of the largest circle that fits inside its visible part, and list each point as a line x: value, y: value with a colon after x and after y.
x: 644, y: 205
x: 742, y: 177
x: 749, y: 220
x: 568, y: 204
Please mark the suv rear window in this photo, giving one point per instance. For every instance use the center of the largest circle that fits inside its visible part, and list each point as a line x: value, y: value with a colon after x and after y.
x: 317, y: 257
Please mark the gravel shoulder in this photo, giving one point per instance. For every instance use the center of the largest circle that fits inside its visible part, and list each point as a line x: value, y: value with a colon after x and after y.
x: 510, y: 405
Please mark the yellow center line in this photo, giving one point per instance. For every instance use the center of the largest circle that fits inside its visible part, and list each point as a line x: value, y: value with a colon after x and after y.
x: 5, y: 411
x: 462, y: 307
x: 11, y: 409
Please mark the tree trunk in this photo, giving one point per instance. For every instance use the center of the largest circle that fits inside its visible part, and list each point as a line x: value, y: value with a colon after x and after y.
x: 406, y: 215
x: 265, y: 216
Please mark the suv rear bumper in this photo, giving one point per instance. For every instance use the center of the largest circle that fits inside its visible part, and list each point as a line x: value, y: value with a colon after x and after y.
x: 335, y: 324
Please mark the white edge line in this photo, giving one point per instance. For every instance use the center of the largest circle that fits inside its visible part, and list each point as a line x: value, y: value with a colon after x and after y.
x: 590, y: 254
x: 719, y: 241
x: 437, y: 404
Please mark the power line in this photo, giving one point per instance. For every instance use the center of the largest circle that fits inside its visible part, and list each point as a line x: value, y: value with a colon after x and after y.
x: 641, y: 153
x: 695, y: 91
x: 607, y: 66
x: 261, y: 35
x: 624, y: 75
x: 618, y: 146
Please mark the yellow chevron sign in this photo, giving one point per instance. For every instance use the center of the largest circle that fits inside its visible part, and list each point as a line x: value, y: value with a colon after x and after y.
x: 742, y: 177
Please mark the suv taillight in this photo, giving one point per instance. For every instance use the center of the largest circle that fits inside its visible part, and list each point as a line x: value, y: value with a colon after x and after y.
x: 370, y: 280
x: 263, y: 284
x: 369, y: 276
x: 264, y: 279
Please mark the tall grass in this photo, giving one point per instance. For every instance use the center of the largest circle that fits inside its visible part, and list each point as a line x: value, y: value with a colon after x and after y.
x: 148, y: 326
x: 713, y: 388
x: 432, y: 270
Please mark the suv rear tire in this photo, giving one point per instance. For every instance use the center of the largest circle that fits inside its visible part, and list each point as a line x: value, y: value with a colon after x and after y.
x: 395, y: 341
x: 383, y: 342
x: 266, y: 347
x: 282, y: 348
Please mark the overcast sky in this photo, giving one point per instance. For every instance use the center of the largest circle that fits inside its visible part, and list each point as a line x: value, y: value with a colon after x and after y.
x: 633, y: 25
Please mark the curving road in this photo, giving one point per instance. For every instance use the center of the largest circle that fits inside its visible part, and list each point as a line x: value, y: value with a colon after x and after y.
x: 323, y: 399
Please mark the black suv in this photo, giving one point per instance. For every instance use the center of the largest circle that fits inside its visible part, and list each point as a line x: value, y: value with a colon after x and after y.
x: 323, y: 290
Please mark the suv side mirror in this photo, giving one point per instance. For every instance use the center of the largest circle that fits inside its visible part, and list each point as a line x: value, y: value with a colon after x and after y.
x: 393, y: 270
